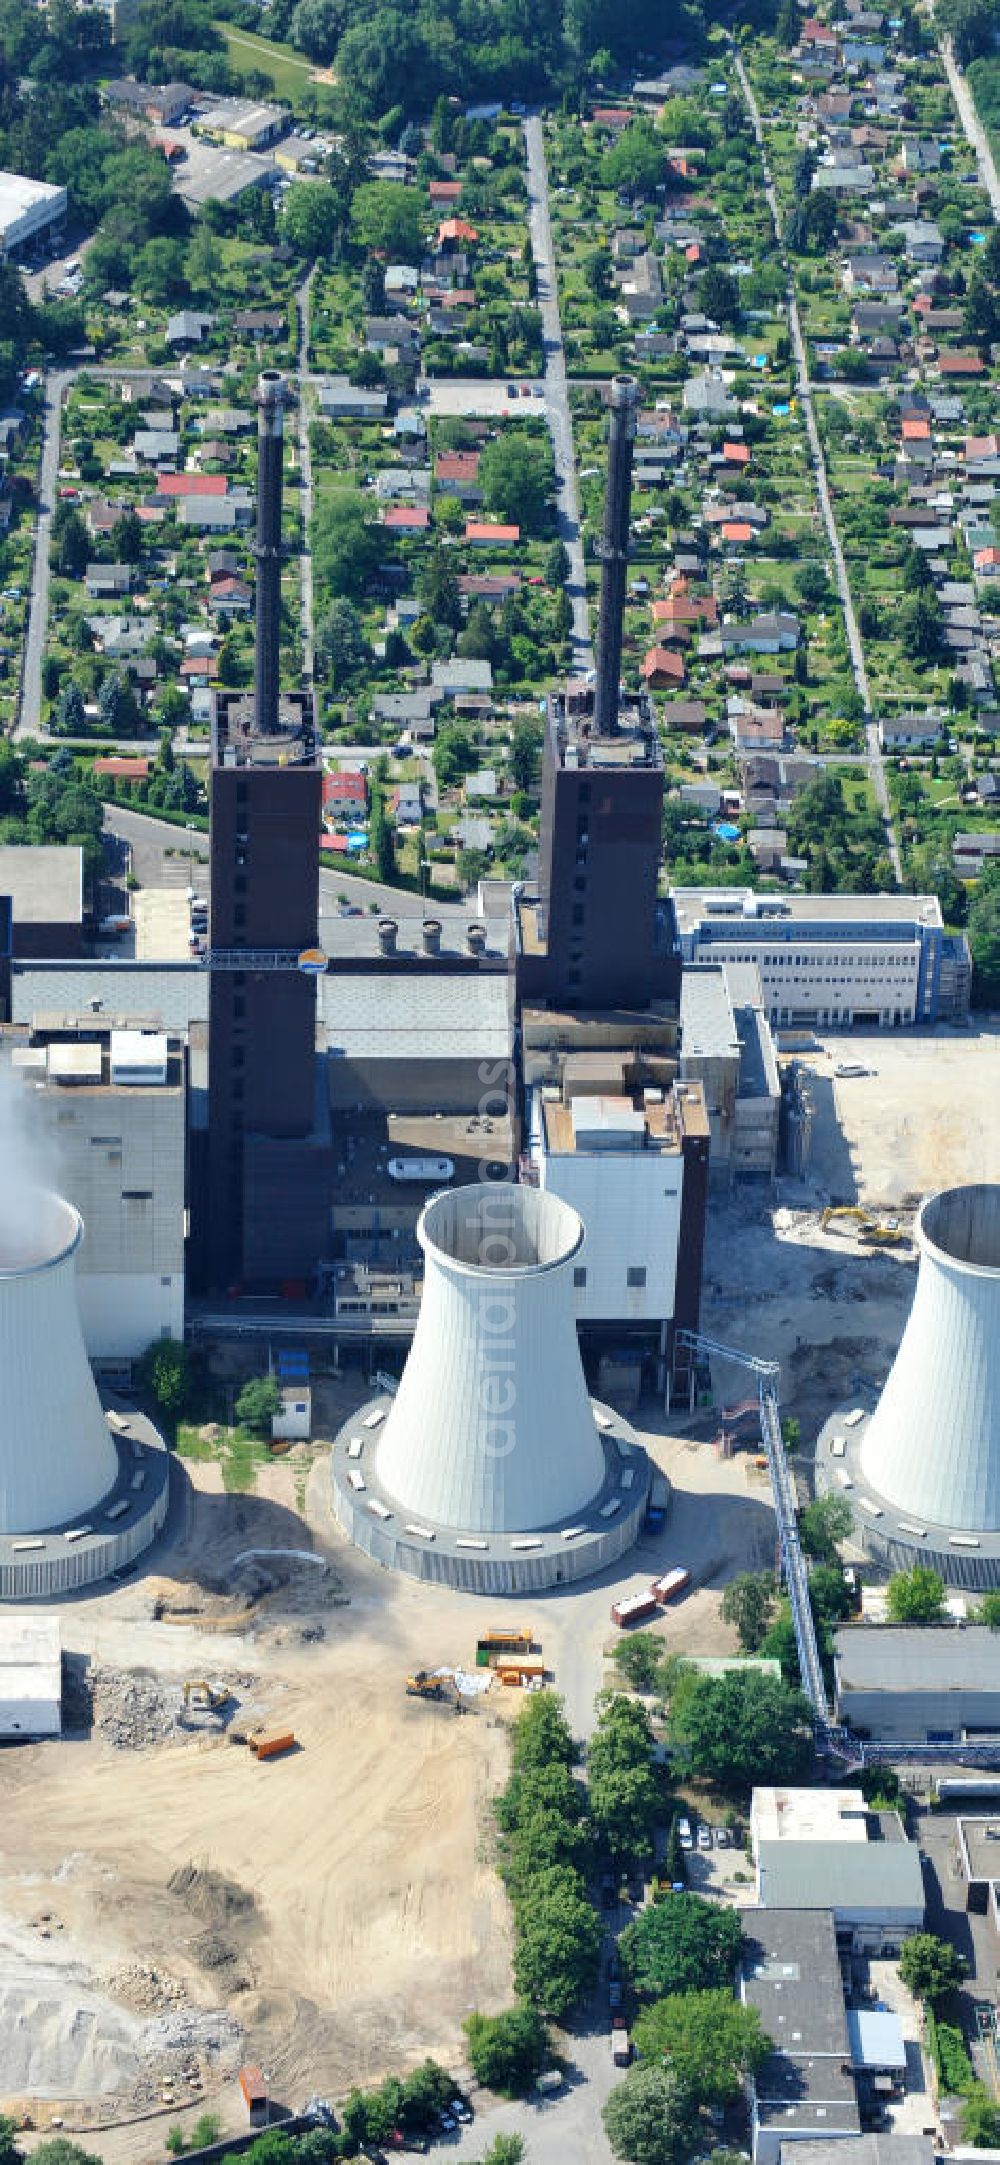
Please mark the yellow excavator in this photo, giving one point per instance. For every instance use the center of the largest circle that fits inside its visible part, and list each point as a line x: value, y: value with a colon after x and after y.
x: 199, y: 1693
x: 424, y: 1686
x: 869, y: 1228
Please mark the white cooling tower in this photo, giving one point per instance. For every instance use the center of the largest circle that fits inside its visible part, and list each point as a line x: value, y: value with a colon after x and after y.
x: 57, y: 1459
x: 932, y: 1448
x: 492, y: 1430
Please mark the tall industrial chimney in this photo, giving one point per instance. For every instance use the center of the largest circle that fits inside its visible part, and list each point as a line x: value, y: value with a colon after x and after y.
x: 614, y: 553
x: 267, y: 549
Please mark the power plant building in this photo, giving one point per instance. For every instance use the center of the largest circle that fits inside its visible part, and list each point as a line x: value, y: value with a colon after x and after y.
x: 596, y: 934
x: 107, y: 1108
x: 633, y: 1163
x: 922, y: 1684
x: 262, y: 1168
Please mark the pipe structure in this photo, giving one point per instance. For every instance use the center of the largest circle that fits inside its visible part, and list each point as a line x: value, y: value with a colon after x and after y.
x: 267, y: 549
x: 613, y: 551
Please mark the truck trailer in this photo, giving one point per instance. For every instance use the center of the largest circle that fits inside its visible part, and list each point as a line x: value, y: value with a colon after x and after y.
x: 672, y: 1582
x: 633, y: 1609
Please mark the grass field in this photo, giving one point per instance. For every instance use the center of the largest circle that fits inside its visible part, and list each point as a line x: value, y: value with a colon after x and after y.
x: 288, y: 71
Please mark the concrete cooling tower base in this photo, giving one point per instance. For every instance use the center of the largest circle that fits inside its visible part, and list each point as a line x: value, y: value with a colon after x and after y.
x: 491, y: 1563
x: 81, y: 1494
x: 922, y: 1471
x: 102, y: 1540
x: 885, y: 1530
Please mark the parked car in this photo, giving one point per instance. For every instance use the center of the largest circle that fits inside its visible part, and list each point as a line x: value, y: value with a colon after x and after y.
x: 684, y: 1833
x: 704, y: 1837
x: 461, y: 2109
x: 614, y: 1995
x: 723, y: 1838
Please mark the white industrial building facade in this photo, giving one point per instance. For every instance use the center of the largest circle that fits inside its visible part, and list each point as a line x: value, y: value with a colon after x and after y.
x: 107, y: 1108
x: 28, y: 208
x: 835, y: 960
x: 622, y: 1170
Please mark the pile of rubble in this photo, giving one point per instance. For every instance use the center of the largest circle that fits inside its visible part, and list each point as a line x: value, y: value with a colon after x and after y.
x: 143, y: 1989
x: 133, y: 1708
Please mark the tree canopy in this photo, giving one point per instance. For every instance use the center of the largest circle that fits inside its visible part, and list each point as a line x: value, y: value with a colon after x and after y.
x: 742, y: 1728
x: 650, y: 2118
x: 516, y: 478
x: 930, y: 1967
x: 682, y: 1944
x: 506, y: 2051
x: 709, y: 2039
x: 916, y: 1596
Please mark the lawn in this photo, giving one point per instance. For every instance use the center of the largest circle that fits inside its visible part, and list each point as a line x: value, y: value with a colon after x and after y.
x: 288, y: 71
x: 235, y: 1450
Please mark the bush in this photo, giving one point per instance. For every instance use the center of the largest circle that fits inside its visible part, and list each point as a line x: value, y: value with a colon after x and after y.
x: 915, y: 1596
x: 507, y: 2051
x: 165, y: 1372
x: 258, y: 1402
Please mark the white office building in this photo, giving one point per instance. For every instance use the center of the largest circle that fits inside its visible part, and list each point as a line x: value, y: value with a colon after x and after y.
x: 876, y: 961
x: 28, y: 208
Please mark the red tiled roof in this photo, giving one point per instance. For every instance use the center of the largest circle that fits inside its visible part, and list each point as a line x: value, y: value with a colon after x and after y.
x: 486, y: 530
x: 456, y: 229
x: 916, y: 430
x: 456, y: 466
x: 736, y: 454
x: 961, y: 364
x: 347, y: 788
x: 445, y: 191
x: 411, y: 518
x: 737, y: 530
x: 129, y: 770
x: 659, y: 662
x: 192, y: 485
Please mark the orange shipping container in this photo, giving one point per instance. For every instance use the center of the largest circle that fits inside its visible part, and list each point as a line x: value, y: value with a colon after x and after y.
x: 268, y: 1746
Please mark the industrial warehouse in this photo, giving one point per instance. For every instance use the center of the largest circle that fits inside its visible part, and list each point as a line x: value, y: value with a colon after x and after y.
x: 497, y: 1201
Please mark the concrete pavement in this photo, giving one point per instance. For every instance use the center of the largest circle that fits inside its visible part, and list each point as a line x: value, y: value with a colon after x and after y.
x: 29, y: 707
x: 876, y: 767
x: 556, y: 393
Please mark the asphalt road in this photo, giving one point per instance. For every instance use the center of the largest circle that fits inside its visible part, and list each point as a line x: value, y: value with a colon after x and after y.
x: 556, y: 393
x: 29, y: 710
x: 975, y: 133
x: 876, y: 767
x: 150, y: 839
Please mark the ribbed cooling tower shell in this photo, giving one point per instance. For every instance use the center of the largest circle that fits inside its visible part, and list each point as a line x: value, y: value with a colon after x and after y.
x: 57, y: 1458
x: 933, y: 1445
x: 491, y: 1429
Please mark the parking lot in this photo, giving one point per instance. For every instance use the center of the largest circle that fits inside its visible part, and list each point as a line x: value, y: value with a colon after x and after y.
x: 207, y: 170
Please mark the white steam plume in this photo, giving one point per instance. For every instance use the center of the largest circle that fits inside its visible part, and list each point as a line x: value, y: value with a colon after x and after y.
x: 28, y: 1167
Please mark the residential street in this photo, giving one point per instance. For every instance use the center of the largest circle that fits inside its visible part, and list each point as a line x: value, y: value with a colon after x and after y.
x: 28, y: 718
x: 876, y: 766
x: 556, y: 394
x: 975, y: 133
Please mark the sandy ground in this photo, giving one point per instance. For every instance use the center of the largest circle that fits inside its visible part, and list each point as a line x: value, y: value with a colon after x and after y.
x: 924, y: 1117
